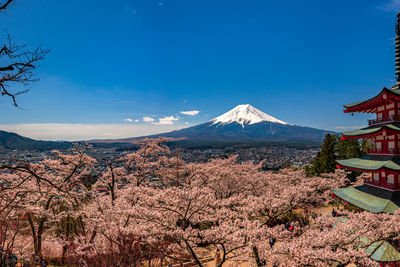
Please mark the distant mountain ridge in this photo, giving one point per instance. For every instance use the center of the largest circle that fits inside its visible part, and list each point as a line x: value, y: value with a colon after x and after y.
x: 13, y: 141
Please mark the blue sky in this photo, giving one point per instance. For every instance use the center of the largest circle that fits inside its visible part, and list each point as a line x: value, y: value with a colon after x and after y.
x: 114, y: 63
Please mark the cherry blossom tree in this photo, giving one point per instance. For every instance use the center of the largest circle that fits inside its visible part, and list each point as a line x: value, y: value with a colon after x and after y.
x: 150, y: 205
x: 190, y: 219
x: 337, y: 240
x: 110, y: 227
x: 110, y: 235
x: 266, y: 197
x: 151, y: 184
x: 9, y: 221
x: 48, y: 191
x: 154, y: 196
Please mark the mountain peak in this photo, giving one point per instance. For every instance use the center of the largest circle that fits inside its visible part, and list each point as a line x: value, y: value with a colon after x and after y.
x: 245, y: 114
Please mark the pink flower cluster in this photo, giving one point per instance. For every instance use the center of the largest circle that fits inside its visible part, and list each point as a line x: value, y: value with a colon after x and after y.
x: 152, y: 205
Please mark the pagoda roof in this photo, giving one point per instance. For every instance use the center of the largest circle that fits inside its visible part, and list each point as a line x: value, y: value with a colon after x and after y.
x: 362, y: 105
x: 370, y: 198
x: 371, y: 163
x: 371, y: 130
x: 382, y: 251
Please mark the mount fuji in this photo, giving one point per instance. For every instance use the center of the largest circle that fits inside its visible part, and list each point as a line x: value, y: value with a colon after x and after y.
x: 245, y: 123
x: 245, y: 114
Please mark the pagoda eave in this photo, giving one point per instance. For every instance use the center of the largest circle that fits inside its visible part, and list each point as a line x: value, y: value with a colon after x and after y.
x: 371, y: 163
x: 339, y: 166
x: 357, y: 137
x: 370, y: 132
x: 371, y: 105
x: 364, y: 136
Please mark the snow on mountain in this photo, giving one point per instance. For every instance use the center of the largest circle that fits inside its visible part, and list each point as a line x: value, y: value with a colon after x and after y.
x: 245, y: 114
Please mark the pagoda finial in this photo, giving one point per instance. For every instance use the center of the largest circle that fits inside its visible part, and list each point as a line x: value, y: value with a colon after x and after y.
x: 398, y: 48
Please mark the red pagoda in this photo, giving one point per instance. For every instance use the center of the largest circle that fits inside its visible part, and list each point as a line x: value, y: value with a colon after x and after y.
x: 381, y: 191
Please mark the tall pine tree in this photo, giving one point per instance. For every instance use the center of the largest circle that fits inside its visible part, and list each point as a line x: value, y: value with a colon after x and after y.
x: 325, y: 161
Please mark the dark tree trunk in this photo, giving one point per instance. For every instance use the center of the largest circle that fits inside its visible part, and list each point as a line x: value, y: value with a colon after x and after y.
x: 257, y: 257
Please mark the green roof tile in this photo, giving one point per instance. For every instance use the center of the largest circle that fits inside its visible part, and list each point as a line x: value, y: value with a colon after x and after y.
x: 370, y: 130
x: 368, y: 164
x: 366, y: 201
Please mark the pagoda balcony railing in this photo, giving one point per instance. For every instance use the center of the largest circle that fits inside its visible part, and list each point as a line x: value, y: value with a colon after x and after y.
x: 381, y: 184
x: 384, y: 119
x: 383, y: 150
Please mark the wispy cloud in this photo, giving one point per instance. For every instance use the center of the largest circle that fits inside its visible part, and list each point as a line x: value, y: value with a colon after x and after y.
x: 77, y: 132
x: 190, y: 112
x: 128, y: 120
x: 148, y: 119
x: 390, y: 5
x: 168, y: 120
x: 348, y: 127
x: 130, y: 10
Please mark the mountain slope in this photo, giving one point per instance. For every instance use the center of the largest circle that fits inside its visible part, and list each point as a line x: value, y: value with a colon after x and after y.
x: 262, y: 131
x: 13, y: 141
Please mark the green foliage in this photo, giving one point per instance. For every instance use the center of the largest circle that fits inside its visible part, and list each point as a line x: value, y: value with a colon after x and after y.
x: 325, y: 161
x: 347, y: 149
x: 364, y: 146
x: 332, y: 149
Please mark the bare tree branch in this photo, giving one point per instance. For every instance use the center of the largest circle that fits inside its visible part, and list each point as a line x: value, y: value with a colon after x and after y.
x: 6, y: 4
x: 17, y: 65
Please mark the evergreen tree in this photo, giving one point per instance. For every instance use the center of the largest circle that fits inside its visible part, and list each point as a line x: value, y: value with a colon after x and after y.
x: 364, y: 146
x: 325, y: 161
x: 353, y: 148
x: 347, y: 149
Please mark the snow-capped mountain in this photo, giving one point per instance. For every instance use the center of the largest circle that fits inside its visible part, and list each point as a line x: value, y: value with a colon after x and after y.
x: 245, y: 114
x: 245, y: 123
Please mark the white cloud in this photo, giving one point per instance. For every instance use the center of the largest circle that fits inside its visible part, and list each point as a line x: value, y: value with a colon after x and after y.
x: 148, y: 119
x: 128, y: 120
x: 190, y: 112
x: 168, y: 120
x: 77, y: 132
x: 136, y: 121
x: 186, y: 123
